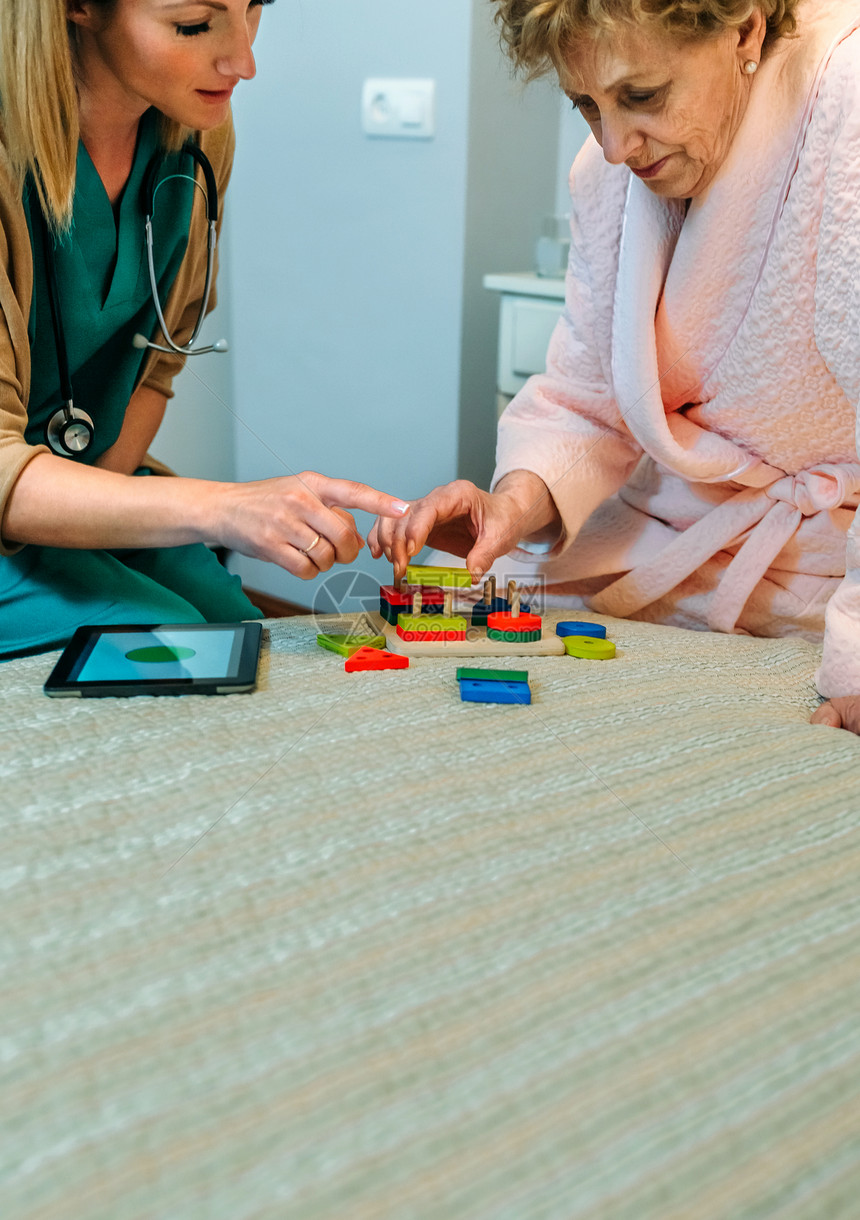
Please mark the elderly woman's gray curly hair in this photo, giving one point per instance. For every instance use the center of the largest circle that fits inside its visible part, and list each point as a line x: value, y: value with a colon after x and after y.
x: 539, y: 33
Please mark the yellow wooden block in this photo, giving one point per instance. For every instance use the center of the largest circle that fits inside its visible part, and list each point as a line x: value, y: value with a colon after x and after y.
x: 448, y: 578
x: 431, y: 622
x: 588, y: 648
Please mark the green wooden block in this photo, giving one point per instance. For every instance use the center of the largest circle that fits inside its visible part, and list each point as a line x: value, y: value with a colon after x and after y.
x: 346, y: 645
x: 431, y: 622
x: 513, y: 637
x: 458, y: 578
x: 491, y: 675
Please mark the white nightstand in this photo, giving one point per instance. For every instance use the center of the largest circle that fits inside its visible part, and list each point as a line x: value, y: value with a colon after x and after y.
x: 530, y: 307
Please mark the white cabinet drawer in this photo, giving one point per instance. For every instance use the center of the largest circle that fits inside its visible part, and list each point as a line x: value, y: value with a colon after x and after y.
x: 526, y: 325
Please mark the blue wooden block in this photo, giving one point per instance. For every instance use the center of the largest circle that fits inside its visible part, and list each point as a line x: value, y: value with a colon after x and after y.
x: 595, y: 630
x: 474, y: 691
x: 498, y: 605
x: 390, y: 613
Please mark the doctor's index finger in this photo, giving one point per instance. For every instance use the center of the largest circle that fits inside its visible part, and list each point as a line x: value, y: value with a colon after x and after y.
x: 346, y: 493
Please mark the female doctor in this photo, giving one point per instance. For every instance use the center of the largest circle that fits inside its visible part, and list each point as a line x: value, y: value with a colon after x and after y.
x: 99, y: 98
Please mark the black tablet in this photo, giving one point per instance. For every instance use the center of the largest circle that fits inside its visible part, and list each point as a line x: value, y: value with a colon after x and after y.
x: 167, y: 659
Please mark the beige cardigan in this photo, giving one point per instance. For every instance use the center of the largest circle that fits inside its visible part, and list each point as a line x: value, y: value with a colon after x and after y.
x: 16, y: 290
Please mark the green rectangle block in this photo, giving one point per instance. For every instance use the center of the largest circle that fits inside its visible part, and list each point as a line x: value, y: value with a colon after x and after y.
x: 492, y: 675
x: 514, y: 637
x: 431, y: 622
x: 458, y: 578
x: 346, y: 645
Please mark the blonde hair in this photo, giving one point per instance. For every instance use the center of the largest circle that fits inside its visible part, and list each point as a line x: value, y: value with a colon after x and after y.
x: 39, y: 101
x: 538, y: 33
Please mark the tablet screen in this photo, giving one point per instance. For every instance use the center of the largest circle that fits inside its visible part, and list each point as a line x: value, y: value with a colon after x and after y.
x: 145, y: 656
x: 159, y: 659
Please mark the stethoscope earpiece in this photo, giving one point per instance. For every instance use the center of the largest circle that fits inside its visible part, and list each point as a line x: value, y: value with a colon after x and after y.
x: 140, y: 341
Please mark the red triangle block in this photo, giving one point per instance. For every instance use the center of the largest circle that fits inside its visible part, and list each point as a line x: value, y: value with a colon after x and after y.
x: 374, y: 658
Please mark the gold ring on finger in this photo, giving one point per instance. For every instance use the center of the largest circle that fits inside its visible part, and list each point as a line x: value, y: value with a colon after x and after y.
x: 307, y: 550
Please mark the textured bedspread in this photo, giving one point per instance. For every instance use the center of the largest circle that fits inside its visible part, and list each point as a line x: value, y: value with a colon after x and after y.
x: 349, y: 948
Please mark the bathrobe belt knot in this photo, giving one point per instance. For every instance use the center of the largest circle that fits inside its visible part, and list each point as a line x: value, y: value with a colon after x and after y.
x: 759, y: 521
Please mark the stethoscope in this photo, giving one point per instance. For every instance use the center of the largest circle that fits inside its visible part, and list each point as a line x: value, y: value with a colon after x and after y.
x: 70, y: 430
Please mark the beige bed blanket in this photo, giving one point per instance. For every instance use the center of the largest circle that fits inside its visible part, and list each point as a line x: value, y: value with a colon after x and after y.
x: 347, y: 947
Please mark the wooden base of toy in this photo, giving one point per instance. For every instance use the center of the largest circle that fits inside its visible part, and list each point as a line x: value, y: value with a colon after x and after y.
x: 475, y: 644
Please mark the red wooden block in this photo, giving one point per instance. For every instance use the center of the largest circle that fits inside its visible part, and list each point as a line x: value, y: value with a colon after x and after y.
x: 374, y: 658
x: 504, y: 621
x: 394, y: 597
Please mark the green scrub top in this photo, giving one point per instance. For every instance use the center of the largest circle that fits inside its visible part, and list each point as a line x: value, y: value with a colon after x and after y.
x: 104, y: 288
x: 105, y: 299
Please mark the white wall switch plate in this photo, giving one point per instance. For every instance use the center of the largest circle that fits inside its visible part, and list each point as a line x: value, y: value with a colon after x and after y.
x: 399, y: 109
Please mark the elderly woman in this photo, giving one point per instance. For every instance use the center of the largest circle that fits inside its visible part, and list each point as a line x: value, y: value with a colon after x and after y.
x: 690, y: 455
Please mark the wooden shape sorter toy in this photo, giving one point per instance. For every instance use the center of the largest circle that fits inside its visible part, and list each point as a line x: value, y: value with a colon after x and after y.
x: 457, y: 634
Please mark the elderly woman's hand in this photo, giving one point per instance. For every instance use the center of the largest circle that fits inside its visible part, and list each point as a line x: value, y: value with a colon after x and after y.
x: 840, y: 713
x: 464, y: 520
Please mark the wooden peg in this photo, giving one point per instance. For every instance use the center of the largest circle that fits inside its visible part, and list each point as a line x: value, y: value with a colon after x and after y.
x: 515, y: 602
x: 417, y: 602
x: 448, y: 604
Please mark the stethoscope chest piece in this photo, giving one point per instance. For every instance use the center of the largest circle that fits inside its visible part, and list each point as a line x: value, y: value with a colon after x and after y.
x: 69, y: 431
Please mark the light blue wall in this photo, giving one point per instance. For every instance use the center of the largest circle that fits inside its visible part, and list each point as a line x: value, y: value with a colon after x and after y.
x: 512, y: 166
x: 573, y: 132
x: 343, y: 245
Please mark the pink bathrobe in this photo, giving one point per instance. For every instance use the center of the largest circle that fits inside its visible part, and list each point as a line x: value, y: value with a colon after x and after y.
x: 697, y: 421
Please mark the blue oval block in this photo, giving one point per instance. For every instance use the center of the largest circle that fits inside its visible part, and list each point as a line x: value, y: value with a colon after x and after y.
x: 596, y: 630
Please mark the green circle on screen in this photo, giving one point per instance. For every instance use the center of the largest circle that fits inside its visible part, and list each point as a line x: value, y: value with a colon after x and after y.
x: 158, y: 654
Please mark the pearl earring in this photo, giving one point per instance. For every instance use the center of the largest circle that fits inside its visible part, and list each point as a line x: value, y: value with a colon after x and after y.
x: 750, y: 67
